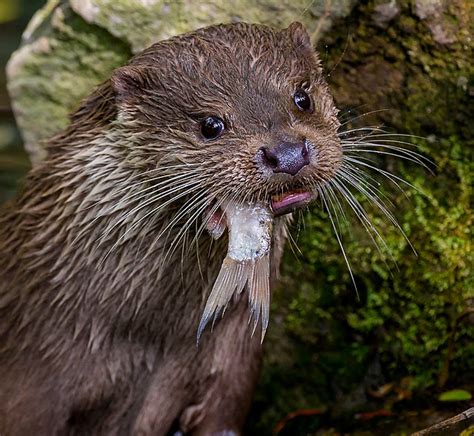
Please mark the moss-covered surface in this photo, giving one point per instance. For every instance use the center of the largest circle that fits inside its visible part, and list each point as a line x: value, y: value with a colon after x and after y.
x: 50, y: 75
x: 160, y: 19
x: 327, y: 349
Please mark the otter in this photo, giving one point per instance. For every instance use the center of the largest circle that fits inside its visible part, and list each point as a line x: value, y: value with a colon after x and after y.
x: 106, y: 254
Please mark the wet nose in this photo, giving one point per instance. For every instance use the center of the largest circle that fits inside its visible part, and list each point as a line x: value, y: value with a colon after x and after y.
x: 286, y: 157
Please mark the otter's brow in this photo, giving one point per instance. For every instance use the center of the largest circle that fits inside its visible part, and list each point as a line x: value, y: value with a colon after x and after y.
x: 305, y: 84
x: 199, y: 116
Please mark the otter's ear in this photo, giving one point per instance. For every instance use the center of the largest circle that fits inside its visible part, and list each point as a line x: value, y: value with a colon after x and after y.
x: 300, y: 38
x: 130, y: 82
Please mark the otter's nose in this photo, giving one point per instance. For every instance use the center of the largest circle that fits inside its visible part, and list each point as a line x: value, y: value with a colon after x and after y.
x: 286, y: 157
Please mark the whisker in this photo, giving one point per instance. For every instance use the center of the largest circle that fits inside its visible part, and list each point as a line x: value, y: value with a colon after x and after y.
x: 125, y: 202
x: 152, y: 199
x: 128, y: 185
x: 323, y: 198
x: 387, y: 174
x: 337, y: 210
x: 168, y: 181
x: 359, y: 132
x: 365, y: 180
x: 363, y: 217
x: 386, y: 134
x: 152, y: 211
x: 364, y: 115
x: 294, y: 246
x: 195, y: 210
x: 199, y: 212
x: 387, y: 153
x: 380, y: 205
x: 372, y: 147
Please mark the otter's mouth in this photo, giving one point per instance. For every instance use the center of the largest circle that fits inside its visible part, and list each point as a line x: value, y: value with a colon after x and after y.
x: 289, y: 201
x: 279, y: 204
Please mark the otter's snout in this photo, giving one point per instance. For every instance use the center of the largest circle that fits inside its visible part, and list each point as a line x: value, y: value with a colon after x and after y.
x: 286, y: 157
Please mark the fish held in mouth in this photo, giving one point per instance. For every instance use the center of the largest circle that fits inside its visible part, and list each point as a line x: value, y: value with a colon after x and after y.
x: 247, y: 262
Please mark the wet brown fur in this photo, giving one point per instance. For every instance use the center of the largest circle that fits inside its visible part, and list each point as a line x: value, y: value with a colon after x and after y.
x: 98, y: 316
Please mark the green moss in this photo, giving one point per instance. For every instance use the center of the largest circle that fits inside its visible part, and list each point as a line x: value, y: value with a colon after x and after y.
x: 50, y: 77
x: 161, y: 19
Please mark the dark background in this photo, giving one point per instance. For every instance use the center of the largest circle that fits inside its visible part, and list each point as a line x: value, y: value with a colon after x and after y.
x: 14, y: 163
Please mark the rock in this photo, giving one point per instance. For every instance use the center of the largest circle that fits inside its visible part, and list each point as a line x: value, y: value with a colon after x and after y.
x: 385, y: 12
x: 71, y: 46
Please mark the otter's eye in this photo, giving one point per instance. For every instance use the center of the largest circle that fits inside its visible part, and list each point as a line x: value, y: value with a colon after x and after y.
x: 212, y: 127
x: 302, y: 101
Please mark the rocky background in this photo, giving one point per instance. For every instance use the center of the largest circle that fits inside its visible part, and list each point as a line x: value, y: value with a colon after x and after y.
x: 382, y: 360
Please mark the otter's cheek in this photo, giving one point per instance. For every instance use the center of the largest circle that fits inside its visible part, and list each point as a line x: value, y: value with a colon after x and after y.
x: 328, y: 160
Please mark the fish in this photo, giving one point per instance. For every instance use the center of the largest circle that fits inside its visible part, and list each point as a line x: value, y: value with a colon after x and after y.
x: 246, y: 265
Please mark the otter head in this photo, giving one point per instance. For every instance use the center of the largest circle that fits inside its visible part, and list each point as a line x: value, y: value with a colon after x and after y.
x: 244, y: 108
